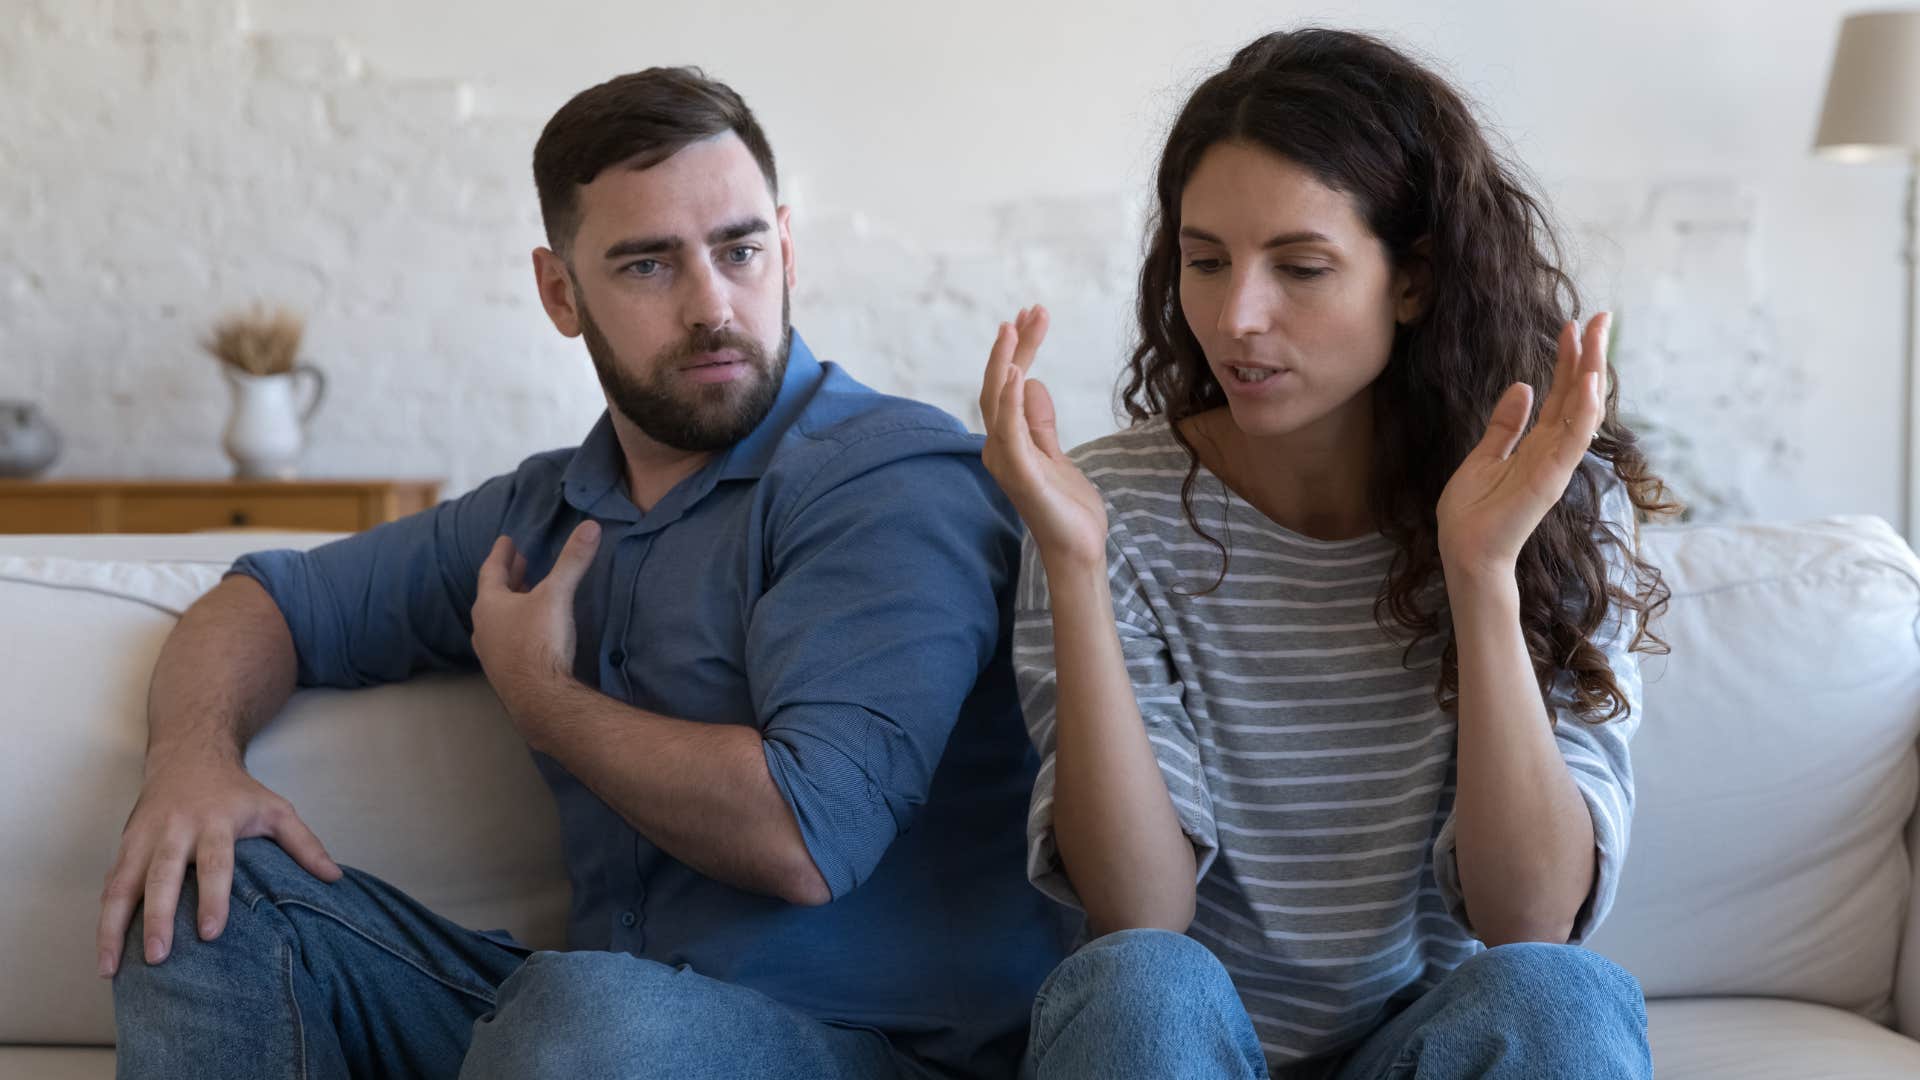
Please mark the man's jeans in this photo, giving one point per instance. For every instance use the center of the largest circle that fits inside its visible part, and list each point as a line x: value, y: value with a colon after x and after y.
x: 1150, y: 1003
x: 321, y: 981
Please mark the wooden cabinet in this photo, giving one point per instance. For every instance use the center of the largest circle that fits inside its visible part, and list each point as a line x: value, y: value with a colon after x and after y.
x: 169, y: 506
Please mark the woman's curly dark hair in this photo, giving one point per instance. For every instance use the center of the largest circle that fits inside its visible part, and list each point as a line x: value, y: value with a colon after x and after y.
x: 1370, y: 122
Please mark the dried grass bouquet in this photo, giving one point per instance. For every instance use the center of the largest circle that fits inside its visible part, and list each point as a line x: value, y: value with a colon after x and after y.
x: 257, y: 342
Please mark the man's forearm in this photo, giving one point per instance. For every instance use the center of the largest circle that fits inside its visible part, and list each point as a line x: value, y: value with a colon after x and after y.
x: 700, y: 791
x: 227, y: 668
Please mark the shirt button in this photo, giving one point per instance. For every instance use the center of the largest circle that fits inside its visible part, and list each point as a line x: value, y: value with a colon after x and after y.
x: 616, y: 658
x: 627, y: 919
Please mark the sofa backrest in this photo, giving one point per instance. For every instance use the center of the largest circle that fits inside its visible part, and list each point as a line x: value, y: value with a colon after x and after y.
x: 1775, y: 767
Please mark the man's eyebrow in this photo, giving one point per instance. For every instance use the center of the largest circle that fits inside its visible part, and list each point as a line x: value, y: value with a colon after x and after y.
x: 666, y: 245
x: 739, y: 230
x: 645, y: 245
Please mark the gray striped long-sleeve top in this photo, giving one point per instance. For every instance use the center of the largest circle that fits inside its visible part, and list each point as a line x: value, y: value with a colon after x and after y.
x: 1301, y: 745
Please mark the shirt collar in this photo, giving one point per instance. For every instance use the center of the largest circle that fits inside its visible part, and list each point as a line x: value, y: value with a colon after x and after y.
x: 594, y: 471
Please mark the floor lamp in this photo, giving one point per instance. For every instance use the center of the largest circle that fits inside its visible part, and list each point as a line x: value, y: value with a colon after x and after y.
x: 1872, y: 113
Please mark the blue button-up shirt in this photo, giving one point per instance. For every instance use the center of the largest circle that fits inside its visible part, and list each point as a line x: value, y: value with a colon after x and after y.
x: 840, y: 580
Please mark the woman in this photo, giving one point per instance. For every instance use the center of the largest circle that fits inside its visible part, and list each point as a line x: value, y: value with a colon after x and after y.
x: 1330, y: 655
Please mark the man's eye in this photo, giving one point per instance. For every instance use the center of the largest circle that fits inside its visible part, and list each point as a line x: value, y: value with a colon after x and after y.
x: 742, y: 254
x: 642, y: 267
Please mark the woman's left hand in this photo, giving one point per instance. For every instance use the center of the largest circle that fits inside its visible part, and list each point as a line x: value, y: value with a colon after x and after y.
x: 1503, y: 489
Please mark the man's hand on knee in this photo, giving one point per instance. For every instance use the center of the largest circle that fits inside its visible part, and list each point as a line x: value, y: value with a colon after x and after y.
x: 193, y: 811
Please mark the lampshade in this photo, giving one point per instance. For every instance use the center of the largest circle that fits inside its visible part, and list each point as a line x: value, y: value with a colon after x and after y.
x: 1873, y: 95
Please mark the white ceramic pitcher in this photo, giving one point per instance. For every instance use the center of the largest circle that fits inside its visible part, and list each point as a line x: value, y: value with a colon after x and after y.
x: 266, y: 430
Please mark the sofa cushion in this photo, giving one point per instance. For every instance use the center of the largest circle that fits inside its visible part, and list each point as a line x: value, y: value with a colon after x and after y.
x: 1725, y: 1039
x: 1775, y: 767
x: 424, y: 783
x: 55, y: 1063
x: 1763, y: 1039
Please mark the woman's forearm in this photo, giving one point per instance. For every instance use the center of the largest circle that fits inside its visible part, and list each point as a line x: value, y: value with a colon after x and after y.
x: 1120, y: 838
x: 1523, y: 835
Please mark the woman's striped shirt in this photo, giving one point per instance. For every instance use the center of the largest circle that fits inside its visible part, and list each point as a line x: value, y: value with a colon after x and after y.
x: 1301, y: 744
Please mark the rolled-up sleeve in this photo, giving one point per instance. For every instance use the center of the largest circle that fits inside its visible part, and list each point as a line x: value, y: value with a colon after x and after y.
x: 1157, y: 691
x: 380, y: 605
x: 883, y: 610
x: 1596, y: 754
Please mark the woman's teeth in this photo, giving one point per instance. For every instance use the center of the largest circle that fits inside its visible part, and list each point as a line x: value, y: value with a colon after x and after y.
x: 1252, y: 374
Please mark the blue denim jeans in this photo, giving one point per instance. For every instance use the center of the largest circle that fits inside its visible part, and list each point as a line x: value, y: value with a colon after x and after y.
x: 1150, y: 1003
x: 322, y: 981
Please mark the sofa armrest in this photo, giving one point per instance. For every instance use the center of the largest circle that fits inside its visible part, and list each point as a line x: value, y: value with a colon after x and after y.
x: 1906, y: 979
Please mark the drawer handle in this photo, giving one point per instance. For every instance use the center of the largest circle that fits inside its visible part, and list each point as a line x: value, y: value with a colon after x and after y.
x: 239, y: 517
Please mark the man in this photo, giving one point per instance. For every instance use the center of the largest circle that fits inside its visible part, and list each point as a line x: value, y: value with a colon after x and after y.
x: 754, y: 629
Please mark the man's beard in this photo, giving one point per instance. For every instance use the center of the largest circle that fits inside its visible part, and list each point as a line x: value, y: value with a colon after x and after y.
x: 695, y: 417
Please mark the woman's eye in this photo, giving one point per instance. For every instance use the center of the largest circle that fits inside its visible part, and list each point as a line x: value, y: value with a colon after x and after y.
x: 1204, y: 266
x: 1303, y: 273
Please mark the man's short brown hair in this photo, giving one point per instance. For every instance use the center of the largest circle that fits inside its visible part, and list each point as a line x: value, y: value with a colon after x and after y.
x: 636, y: 120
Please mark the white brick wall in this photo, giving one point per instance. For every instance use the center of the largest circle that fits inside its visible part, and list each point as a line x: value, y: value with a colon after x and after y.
x: 169, y: 166
x: 164, y: 164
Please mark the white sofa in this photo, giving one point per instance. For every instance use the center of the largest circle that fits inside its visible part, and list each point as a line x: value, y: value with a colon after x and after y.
x: 1768, y: 906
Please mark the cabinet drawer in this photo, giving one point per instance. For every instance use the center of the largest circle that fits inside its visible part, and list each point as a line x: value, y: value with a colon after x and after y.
x: 37, y: 513
x: 142, y: 511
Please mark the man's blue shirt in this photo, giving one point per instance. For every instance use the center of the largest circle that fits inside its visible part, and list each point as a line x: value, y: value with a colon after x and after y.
x: 841, y: 580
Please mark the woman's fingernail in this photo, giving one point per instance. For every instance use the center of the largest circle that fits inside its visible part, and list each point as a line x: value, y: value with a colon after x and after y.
x: 156, y: 950
x: 106, y: 963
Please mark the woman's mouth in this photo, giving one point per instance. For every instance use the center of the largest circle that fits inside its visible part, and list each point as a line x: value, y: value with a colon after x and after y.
x: 1244, y: 375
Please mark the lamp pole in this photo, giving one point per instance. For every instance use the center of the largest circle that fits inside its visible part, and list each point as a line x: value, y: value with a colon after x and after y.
x: 1871, y: 112
x: 1910, y: 386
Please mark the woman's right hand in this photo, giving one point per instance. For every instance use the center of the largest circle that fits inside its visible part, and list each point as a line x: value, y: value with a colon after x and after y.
x: 1062, y: 508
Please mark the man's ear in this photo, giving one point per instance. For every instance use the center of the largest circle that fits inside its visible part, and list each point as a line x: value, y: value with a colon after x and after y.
x: 554, y: 279
x: 783, y: 217
x: 1413, y: 282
